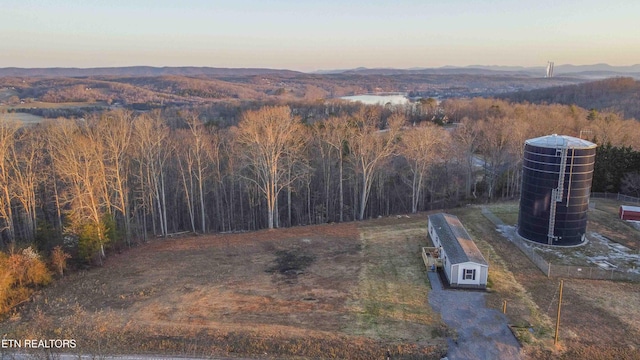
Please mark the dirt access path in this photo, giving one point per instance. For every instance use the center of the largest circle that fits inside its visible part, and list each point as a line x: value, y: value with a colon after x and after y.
x: 482, y: 333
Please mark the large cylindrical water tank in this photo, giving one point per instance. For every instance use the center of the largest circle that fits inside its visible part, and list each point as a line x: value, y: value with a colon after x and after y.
x: 556, y: 185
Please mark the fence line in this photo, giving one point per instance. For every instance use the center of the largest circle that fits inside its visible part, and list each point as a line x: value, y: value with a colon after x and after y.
x: 615, y: 196
x: 535, y: 258
x: 572, y: 271
x: 590, y: 272
x: 564, y: 271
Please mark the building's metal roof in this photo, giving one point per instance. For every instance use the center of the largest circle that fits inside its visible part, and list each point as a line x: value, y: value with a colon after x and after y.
x: 455, y: 240
x: 630, y: 208
x: 559, y: 141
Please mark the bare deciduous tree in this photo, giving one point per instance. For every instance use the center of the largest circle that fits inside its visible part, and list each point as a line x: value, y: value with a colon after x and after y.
x: 8, y: 130
x: 421, y: 146
x: 115, y: 130
x: 369, y: 147
x: 335, y: 133
x: 270, y: 137
x: 199, y: 149
x: 467, y: 136
x: 26, y: 162
x: 77, y: 157
x: 151, y: 134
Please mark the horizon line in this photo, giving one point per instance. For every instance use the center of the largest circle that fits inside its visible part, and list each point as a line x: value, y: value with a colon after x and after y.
x: 312, y: 71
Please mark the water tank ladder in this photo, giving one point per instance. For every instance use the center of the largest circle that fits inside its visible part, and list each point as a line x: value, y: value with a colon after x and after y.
x: 557, y: 194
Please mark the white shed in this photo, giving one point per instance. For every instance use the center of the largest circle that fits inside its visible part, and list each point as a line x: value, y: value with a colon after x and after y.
x: 462, y: 261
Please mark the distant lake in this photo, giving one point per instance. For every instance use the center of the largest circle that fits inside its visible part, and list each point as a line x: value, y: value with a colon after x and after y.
x: 370, y: 99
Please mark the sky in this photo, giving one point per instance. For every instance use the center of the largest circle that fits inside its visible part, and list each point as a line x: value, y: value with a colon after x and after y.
x: 317, y: 35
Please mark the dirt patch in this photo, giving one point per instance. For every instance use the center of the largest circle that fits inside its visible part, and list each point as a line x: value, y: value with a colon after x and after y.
x: 290, y: 263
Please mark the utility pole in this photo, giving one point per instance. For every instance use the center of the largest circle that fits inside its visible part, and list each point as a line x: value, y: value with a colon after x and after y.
x: 555, y: 342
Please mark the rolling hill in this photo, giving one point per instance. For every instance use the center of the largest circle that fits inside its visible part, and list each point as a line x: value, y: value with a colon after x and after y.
x: 621, y: 94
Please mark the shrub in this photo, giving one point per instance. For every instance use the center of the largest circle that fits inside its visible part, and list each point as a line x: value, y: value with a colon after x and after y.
x: 59, y: 259
x: 20, y: 273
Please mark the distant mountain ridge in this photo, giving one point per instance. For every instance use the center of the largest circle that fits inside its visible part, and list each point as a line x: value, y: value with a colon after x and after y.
x: 587, y: 71
x: 141, y: 71
x: 566, y: 68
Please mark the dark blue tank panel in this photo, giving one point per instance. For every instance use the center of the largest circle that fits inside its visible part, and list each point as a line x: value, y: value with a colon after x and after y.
x: 541, y: 169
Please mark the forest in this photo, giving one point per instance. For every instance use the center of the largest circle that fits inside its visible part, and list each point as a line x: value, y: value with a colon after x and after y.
x: 620, y: 94
x: 78, y: 189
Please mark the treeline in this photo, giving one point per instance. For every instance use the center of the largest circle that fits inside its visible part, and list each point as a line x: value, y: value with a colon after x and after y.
x: 616, y: 94
x: 118, y: 177
x: 617, y: 170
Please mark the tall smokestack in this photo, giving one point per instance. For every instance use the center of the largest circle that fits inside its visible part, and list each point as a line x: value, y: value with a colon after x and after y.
x: 549, y: 69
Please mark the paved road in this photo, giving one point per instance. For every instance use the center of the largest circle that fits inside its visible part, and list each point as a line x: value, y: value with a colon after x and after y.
x: 482, y: 333
x: 43, y: 355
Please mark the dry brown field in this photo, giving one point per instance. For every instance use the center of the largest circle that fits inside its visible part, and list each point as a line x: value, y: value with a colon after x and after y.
x: 345, y: 291
x: 334, y: 291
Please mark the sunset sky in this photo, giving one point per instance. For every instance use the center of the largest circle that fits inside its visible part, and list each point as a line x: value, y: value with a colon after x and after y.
x: 314, y: 35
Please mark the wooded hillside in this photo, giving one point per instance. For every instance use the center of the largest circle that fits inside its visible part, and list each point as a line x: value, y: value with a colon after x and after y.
x: 621, y: 95
x: 159, y: 89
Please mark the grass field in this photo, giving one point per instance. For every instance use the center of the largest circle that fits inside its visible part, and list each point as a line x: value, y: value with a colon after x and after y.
x: 335, y: 291
x: 24, y: 118
x: 27, y: 118
x: 346, y: 291
x: 49, y: 105
x: 391, y: 300
x: 597, y: 319
x: 604, y: 220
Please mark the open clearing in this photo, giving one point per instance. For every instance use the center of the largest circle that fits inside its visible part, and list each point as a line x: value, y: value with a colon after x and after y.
x: 6, y: 93
x: 336, y: 291
x: 24, y: 118
x: 612, y: 243
x: 600, y: 319
x: 347, y: 291
x: 50, y: 105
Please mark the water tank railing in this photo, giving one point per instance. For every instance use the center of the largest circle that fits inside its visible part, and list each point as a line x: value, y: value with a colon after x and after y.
x: 563, y: 167
x: 552, y: 217
x: 573, y: 156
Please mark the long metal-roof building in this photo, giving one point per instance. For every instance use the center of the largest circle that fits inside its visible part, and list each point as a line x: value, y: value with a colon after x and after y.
x: 462, y: 261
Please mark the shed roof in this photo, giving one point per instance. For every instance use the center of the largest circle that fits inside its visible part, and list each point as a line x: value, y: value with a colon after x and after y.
x: 456, y: 241
x: 630, y: 208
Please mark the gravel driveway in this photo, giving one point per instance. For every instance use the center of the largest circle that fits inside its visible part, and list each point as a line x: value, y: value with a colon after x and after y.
x: 482, y: 333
